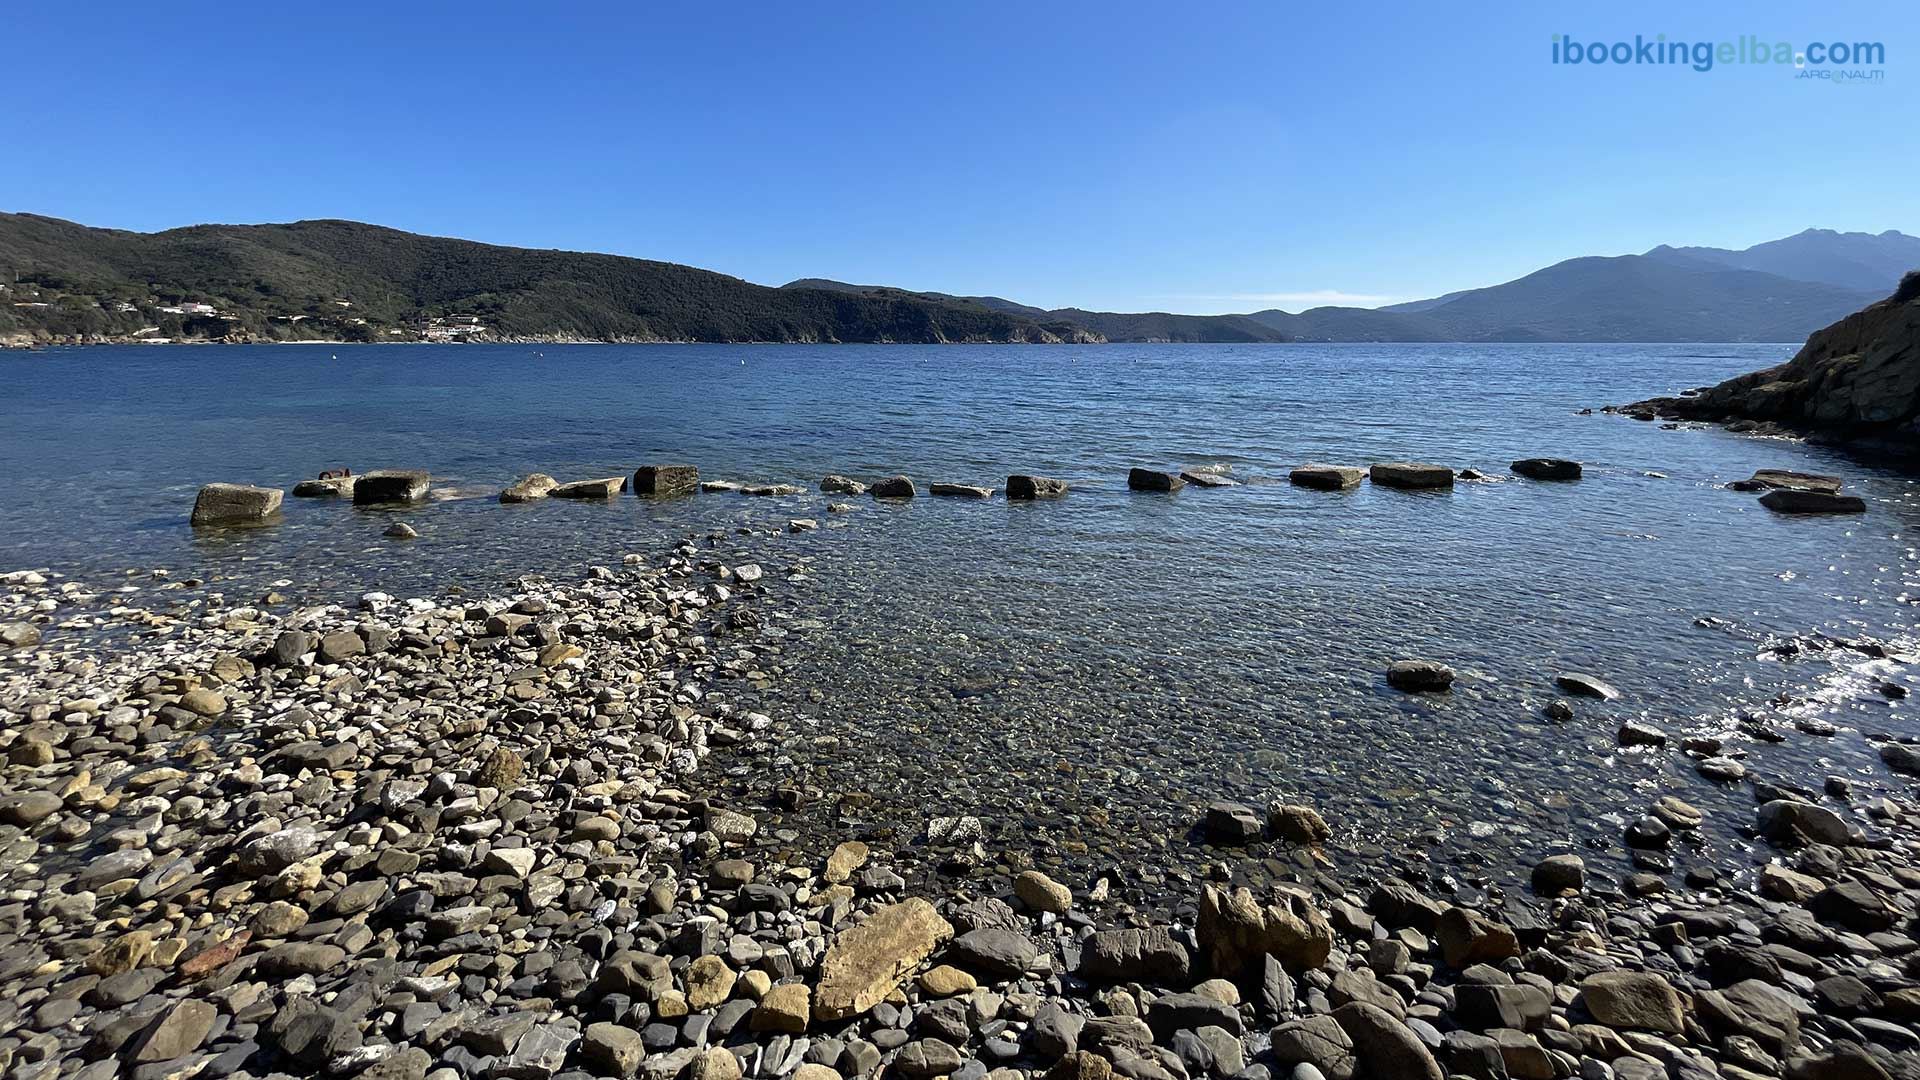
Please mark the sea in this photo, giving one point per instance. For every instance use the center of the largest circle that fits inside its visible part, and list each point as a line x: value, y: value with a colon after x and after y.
x: 1085, y: 675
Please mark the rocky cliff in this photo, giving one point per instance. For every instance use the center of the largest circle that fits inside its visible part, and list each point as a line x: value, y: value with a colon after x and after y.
x: 1857, y: 381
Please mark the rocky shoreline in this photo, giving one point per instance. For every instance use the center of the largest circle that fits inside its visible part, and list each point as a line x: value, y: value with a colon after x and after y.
x: 1855, y: 383
x: 475, y: 839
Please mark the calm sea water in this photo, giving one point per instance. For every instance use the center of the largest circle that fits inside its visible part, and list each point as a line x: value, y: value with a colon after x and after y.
x: 1082, y: 674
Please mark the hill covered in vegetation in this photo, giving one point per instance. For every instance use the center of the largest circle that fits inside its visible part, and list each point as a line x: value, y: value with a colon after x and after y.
x: 343, y: 280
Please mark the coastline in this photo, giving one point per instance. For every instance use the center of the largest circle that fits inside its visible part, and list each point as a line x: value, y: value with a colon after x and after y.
x: 301, y: 826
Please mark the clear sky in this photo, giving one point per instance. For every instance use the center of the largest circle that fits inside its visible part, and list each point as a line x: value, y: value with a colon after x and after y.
x: 1111, y: 155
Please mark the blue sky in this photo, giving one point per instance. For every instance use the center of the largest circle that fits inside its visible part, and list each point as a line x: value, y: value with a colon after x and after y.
x: 1115, y: 155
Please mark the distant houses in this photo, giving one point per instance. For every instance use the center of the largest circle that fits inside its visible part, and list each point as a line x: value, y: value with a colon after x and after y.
x: 452, y: 328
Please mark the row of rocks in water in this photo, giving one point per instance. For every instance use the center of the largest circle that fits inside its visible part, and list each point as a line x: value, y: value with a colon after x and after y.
x: 467, y: 840
x: 239, y: 504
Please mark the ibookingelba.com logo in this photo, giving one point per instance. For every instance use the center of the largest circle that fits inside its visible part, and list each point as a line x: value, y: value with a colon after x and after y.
x: 1848, y: 61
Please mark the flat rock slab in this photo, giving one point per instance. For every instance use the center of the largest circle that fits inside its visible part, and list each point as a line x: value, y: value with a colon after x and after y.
x: 867, y: 962
x: 529, y: 488
x: 391, y: 486
x: 662, y: 480
x: 1327, y: 477
x: 1795, y: 501
x: 1787, y: 479
x: 235, y: 504
x: 960, y: 491
x: 1204, y: 478
x: 1023, y: 487
x: 1581, y: 685
x: 771, y: 490
x: 332, y: 487
x: 1153, y: 480
x: 717, y: 486
x: 606, y: 487
x: 1546, y: 468
x: 1411, y: 474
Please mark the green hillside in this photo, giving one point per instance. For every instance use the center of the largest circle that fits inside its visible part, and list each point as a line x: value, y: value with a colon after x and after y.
x: 342, y: 279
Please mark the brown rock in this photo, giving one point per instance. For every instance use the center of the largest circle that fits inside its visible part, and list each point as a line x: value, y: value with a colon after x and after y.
x: 866, y: 963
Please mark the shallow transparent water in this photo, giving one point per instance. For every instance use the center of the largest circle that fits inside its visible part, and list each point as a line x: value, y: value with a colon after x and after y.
x: 1093, y: 670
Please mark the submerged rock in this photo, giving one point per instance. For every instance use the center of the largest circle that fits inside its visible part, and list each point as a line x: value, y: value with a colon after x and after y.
x: 664, y: 480
x: 960, y: 491
x: 1153, y: 480
x: 235, y: 504
x: 391, y: 486
x: 1582, y: 685
x: 1791, y: 501
x: 529, y: 488
x: 1419, y: 675
x: 1207, y: 478
x: 836, y: 484
x: 1327, y: 477
x: 1021, y: 486
x: 1769, y: 479
x: 1547, y: 468
x: 1410, y: 474
x: 606, y: 487
x: 326, y: 487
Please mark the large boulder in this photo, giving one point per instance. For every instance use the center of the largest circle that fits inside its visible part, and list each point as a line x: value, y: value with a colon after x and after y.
x: 661, y: 480
x: 893, y: 487
x: 1327, y: 477
x: 1318, y: 1041
x: 1151, y: 954
x: 1856, y: 381
x: 1634, y: 1000
x: 1021, y: 487
x: 1467, y: 938
x: 868, y: 962
x: 235, y: 504
x: 1788, y: 822
x: 1411, y: 474
x: 1901, y: 758
x: 1386, y: 1048
x: 1236, y: 931
x: 1546, y: 468
x: 391, y: 486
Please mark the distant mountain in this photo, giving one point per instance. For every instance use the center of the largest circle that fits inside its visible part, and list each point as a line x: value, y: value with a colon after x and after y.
x: 329, y: 280
x: 1639, y: 298
x: 1621, y: 298
x: 344, y: 279
x: 1854, y: 260
x: 1112, y: 326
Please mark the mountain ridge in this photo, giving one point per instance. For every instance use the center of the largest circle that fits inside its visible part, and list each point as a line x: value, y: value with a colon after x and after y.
x: 331, y: 279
